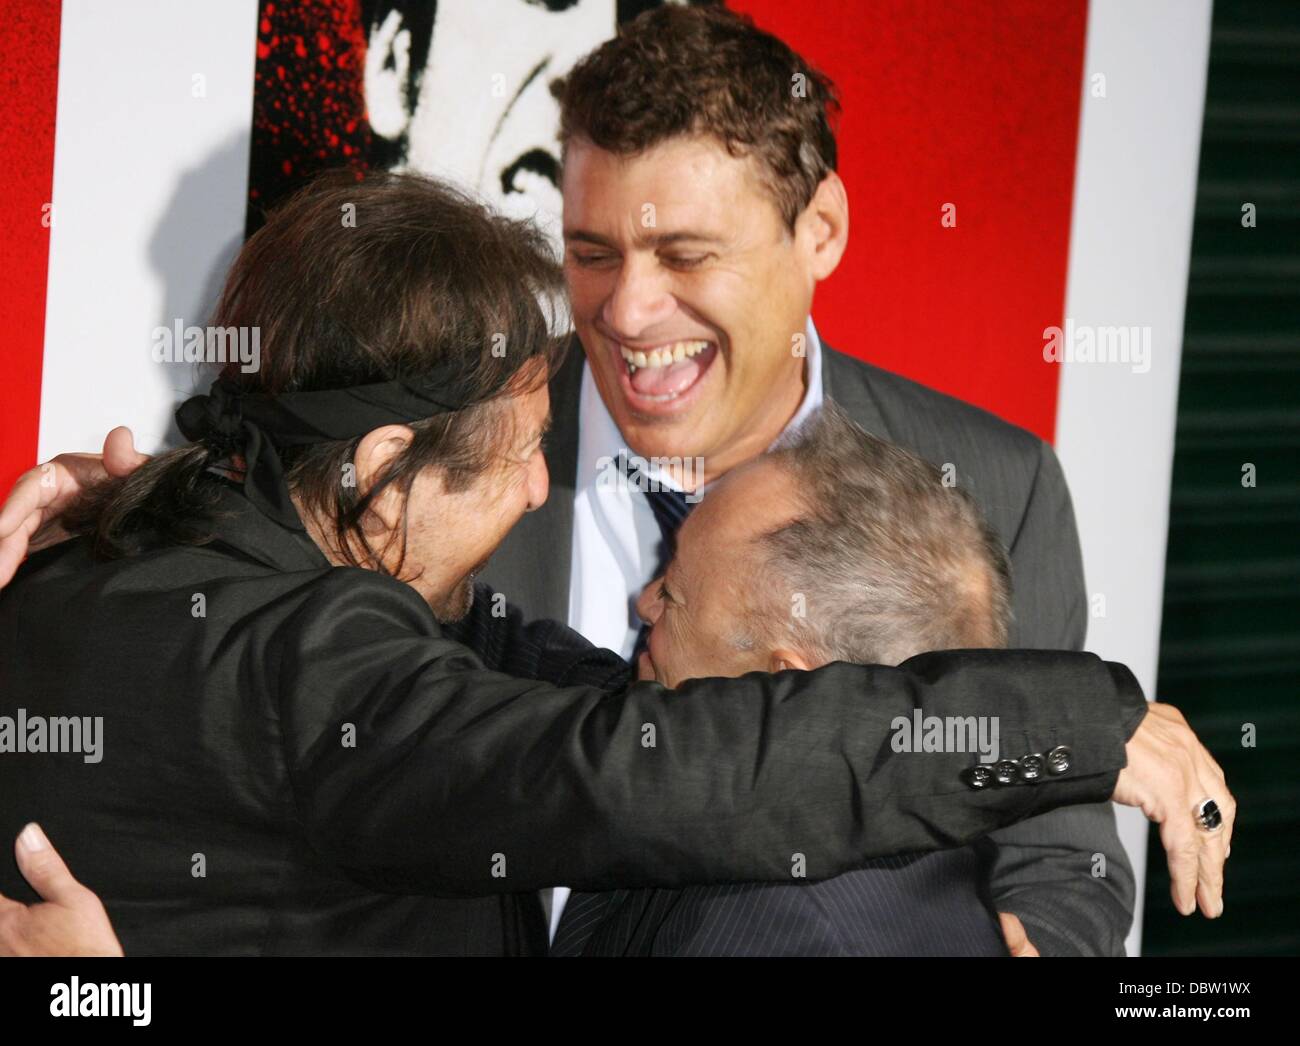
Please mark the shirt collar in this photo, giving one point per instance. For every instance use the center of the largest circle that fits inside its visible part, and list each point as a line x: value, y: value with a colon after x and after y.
x: 812, y: 393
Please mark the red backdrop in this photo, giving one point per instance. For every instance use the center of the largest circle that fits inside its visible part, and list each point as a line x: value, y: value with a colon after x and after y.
x: 29, y: 66
x: 965, y: 103
x: 973, y: 104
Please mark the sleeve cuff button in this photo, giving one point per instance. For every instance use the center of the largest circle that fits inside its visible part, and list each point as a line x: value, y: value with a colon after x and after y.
x: 1059, y: 760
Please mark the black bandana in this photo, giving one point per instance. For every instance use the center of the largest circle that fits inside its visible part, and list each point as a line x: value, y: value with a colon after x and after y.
x: 257, y: 426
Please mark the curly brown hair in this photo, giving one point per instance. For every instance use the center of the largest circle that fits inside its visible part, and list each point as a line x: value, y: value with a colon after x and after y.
x: 707, y: 71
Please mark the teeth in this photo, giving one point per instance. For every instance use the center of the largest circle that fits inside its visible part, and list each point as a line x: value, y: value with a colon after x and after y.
x: 664, y: 355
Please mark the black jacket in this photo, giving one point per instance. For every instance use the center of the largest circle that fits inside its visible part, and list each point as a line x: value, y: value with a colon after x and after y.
x: 298, y: 759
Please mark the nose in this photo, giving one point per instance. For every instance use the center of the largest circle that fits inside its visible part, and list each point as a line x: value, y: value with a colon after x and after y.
x: 648, y: 605
x: 640, y: 298
x: 539, y: 482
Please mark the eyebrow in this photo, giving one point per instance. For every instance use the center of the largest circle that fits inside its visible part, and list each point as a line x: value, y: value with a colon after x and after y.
x: 659, y: 239
x: 544, y: 428
x: 663, y: 591
x: 537, y: 434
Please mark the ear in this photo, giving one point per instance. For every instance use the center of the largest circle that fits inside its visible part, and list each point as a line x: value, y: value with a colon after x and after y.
x: 376, y: 451
x: 387, y: 76
x: 782, y: 659
x: 823, y: 227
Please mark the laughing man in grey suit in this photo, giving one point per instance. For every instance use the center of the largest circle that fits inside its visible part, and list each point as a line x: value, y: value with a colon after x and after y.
x: 701, y: 209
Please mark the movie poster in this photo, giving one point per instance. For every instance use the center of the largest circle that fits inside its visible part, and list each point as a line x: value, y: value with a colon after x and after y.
x: 453, y: 89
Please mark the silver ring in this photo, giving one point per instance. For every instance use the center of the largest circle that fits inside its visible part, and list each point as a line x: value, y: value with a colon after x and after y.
x: 1208, y: 816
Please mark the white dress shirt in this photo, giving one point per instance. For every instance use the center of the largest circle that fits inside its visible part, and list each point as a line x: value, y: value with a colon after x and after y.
x: 615, y: 536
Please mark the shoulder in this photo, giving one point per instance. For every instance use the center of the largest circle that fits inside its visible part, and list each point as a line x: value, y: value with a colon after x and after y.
x: 913, y: 408
x: 356, y: 601
x: 296, y: 605
x: 1001, y: 461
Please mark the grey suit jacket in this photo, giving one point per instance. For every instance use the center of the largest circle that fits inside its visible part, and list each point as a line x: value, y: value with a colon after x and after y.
x: 1041, y: 869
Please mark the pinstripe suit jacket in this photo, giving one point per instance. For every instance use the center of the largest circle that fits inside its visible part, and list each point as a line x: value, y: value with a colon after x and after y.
x: 1040, y: 869
x: 918, y: 905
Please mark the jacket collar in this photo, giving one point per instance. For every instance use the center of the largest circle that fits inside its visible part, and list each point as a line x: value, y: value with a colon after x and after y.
x: 242, y: 527
x: 845, y: 380
x: 562, y: 443
x: 532, y: 565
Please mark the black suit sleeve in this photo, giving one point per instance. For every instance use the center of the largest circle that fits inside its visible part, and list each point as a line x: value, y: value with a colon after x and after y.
x: 543, y: 649
x: 1065, y: 873
x: 465, y: 781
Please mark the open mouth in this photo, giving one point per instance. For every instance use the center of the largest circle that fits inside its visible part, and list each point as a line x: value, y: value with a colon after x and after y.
x: 662, y: 378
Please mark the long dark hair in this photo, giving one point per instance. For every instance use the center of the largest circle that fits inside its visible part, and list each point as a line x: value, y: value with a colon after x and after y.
x: 355, y: 283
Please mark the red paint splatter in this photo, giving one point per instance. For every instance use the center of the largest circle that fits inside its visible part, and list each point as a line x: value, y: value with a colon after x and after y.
x: 308, y: 108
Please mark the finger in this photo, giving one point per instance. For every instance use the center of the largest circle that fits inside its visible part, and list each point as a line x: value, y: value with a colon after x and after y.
x: 120, y: 456
x: 43, y: 868
x: 12, y: 926
x: 35, y: 489
x: 1213, y: 852
x: 1182, y: 850
x: 1226, y: 800
x: 1013, y: 933
x: 1209, y: 887
x: 1229, y: 807
x: 14, y: 548
x: 1228, y: 810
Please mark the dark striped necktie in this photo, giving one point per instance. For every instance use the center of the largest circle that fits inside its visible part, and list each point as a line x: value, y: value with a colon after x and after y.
x: 670, y: 508
x: 585, y: 911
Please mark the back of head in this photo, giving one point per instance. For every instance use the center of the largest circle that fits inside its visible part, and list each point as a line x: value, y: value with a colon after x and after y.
x: 396, y: 278
x: 890, y: 561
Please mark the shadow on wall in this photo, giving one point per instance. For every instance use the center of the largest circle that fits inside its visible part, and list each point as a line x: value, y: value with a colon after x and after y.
x: 190, y: 274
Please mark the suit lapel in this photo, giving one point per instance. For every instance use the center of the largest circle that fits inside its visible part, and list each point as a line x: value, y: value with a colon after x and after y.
x: 844, y: 382
x: 531, y: 568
